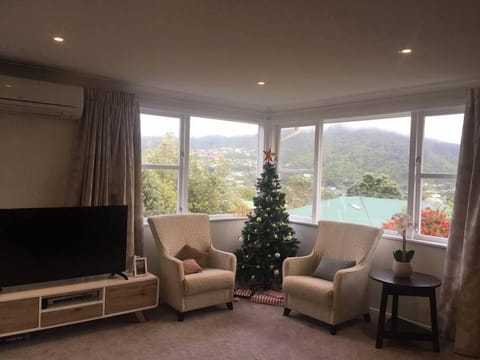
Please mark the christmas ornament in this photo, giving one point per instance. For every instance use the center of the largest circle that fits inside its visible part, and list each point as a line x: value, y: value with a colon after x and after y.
x: 276, y: 272
x: 277, y: 255
x: 269, y: 155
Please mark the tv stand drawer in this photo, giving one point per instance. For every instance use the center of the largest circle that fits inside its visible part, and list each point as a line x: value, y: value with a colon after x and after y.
x: 137, y: 295
x: 73, y: 314
x: 17, y: 315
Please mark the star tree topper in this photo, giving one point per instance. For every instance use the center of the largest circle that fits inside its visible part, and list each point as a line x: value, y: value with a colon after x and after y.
x: 269, y: 155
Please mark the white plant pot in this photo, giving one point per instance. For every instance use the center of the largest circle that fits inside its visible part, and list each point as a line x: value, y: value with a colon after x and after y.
x: 402, y: 269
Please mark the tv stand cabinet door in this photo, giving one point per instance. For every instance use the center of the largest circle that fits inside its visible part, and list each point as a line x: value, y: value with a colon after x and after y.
x: 19, y: 315
x: 131, y: 297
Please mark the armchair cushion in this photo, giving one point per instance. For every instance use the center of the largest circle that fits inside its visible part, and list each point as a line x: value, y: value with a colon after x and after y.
x: 309, y: 288
x: 327, y: 267
x: 190, y: 266
x: 188, y: 252
x: 209, y: 279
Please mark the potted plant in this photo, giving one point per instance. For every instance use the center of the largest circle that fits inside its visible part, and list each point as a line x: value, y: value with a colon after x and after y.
x: 402, y: 257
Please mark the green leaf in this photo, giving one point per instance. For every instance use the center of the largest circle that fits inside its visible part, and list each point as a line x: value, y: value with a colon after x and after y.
x: 401, y: 256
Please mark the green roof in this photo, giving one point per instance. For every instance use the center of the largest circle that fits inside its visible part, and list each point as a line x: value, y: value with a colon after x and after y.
x: 356, y: 209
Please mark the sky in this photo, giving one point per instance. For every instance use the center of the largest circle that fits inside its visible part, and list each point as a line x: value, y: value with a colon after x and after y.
x: 153, y: 125
x: 446, y: 128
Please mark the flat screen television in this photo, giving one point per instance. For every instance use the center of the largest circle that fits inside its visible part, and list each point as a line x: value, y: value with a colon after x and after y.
x: 48, y: 244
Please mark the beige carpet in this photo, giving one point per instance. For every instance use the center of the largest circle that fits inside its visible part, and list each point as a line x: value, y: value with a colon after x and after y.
x: 250, y: 331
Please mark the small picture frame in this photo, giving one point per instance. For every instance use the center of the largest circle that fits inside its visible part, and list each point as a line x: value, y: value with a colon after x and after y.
x: 140, y: 268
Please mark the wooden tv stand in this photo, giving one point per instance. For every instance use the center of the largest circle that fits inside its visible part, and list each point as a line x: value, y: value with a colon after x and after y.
x: 42, y: 308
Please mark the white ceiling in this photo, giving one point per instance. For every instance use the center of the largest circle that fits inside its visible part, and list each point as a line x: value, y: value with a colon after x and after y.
x: 306, y: 51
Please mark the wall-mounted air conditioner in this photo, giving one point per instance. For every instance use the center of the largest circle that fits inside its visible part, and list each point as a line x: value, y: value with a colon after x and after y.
x: 40, y: 97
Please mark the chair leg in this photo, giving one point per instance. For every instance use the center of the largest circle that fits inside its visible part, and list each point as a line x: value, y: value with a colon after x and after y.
x: 286, y: 311
x: 333, y: 330
x: 180, y: 316
x: 229, y: 305
x: 366, y: 317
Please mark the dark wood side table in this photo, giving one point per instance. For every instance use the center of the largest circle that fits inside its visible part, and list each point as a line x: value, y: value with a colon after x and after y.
x: 417, y: 284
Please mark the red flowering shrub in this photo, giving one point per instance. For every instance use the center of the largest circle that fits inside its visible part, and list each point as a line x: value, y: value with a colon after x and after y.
x: 434, y: 223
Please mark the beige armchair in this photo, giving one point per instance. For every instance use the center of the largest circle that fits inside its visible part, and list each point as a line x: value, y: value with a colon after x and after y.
x: 213, y: 285
x: 344, y: 298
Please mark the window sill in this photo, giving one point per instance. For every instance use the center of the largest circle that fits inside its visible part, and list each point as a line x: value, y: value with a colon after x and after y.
x: 422, y: 241
x: 226, y: 217
x: 436, y: 244
x: 214, y: 218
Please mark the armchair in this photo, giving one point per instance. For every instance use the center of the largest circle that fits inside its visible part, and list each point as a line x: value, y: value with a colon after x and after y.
x: 213, y: 285
x: 344, y: 298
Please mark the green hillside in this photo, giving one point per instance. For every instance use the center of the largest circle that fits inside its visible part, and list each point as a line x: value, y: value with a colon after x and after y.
x: 347, y: 153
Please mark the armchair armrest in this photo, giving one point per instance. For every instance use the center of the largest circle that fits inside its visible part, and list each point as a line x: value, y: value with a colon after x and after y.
x: 171, y: 278
x: 222, y: 259
x: 300, y: 265
x: 172, y: 266
x: 350, y: 292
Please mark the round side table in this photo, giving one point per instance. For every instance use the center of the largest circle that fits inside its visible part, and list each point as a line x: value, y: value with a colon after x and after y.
x: 417, y: 284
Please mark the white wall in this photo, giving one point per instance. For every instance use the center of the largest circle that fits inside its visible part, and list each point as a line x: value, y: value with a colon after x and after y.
x: 34, y: 159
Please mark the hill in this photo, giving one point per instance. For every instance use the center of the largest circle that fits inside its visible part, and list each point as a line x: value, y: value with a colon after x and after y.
x: 347, y: 153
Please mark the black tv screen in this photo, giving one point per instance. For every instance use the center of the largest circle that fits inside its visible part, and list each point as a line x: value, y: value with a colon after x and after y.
x: 48, y: 244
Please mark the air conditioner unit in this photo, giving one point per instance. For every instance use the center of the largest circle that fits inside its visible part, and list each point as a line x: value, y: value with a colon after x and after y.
x: 40, y: 97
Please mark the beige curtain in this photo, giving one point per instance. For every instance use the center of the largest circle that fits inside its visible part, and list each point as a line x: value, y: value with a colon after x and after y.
x: 106, y: 160
x: 460, y: 297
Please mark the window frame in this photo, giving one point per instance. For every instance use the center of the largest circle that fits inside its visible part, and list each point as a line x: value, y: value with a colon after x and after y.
x: 316, y: 166
x: 183, y: 164
x: 416, y: 162
x: 415, y: 173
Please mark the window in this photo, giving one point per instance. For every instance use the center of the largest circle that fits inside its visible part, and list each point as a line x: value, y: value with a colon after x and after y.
x: 365, y: 170
x: 372, y: 168
x: 160, y: 163
x: 436, y: 163
x: 223, y: 166
x: 220, y: 158
x: 296, y: 168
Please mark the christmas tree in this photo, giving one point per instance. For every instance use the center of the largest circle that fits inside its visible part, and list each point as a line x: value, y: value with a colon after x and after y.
x: 267, y: 237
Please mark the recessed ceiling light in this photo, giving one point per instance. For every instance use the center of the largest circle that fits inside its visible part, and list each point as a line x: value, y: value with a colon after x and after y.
x: 261, y: 83
x: 58, y: 39
x: 405, y: 51
x: 8, y: 85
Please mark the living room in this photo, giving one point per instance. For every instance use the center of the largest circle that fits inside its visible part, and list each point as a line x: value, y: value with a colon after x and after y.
x: 205, y: 62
